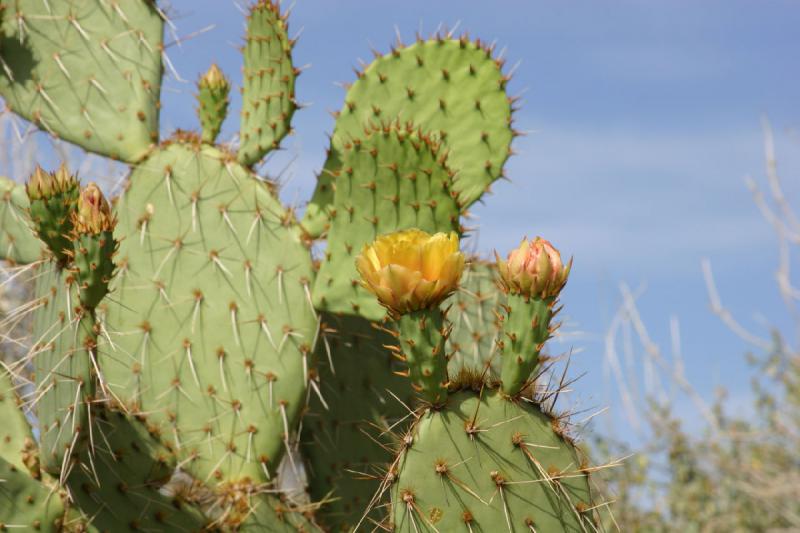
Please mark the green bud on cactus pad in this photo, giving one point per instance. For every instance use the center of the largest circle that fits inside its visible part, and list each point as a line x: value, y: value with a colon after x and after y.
x: 53, y: 198
x: 93, y: 246
x: 212, y: 100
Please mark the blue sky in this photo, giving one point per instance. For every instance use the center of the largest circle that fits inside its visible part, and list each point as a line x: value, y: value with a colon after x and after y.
x: 643, y: 119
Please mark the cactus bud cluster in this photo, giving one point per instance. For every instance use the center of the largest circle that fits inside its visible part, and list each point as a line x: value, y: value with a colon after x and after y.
x: 53, y: 196
x: 411, y: 270
x: 44, y: 185
x: 534, y: 269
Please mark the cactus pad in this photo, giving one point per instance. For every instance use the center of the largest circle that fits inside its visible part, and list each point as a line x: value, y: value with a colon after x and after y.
x: 120, y: 482
x: 269, y: 514
x: 87, y: 71
x: 347, y: 438
x: 62, y: 335
x: 452, y: 89
x: 15, y: 433
x: 25, y: 503
x: 209, y: 315
x: 485, y: 463
x: 268, y: 94
x: 476, y: 328
x: 18, y: 242
x: 390, y: 178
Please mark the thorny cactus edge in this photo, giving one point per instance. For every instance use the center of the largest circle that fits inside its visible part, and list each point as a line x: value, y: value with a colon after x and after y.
x: 187, y: 350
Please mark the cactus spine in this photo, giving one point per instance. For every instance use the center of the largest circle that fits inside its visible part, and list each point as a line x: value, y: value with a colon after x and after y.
x: 185, y: 344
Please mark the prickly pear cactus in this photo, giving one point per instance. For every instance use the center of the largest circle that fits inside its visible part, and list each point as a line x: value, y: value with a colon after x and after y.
x: 190, y: 358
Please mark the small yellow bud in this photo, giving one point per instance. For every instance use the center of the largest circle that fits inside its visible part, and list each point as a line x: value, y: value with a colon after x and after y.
x: 411, y: 270
x: 93, y: 214
x: 534, y: 269
x: 214, y: 78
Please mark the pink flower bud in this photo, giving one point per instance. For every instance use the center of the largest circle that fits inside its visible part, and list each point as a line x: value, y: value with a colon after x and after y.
x: 534, y: 269
x: 93, y: 214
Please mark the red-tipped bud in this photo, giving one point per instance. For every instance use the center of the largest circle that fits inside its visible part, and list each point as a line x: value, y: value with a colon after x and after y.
x: 93, y: 215
x: 534, y: 269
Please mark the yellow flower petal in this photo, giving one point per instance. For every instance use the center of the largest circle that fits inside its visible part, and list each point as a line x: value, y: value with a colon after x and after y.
x: 410, y: 270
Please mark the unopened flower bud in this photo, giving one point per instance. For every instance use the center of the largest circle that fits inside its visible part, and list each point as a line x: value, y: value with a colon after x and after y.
x: 212, y: 97
x: 93, y: 214
x: 214, y: 79
x: 411, y: 270
x: 534, y: 269
x: 45, y: 185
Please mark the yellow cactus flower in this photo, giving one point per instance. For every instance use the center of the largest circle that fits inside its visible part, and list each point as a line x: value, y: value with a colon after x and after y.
x: 411, y: 270
x: 534, y: 269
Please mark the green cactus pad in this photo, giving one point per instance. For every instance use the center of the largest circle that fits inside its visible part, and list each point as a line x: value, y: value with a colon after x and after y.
x: 87, y: 71
x: 526, y: 328
x: 476, y: 328
x: 18, y: 241
x: 25, y: 503
x: 347, y: 440
x: 268, y: 94
x: 93, y: 265
x: 452, y: 89
x: 16, y: 439
x: 64, y: 370
x: 270, y: 515
x: 209, y: 317
x: 422, y: 344
x: 489, y: 464
x: 391, y: 178
x: 118, y: 485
